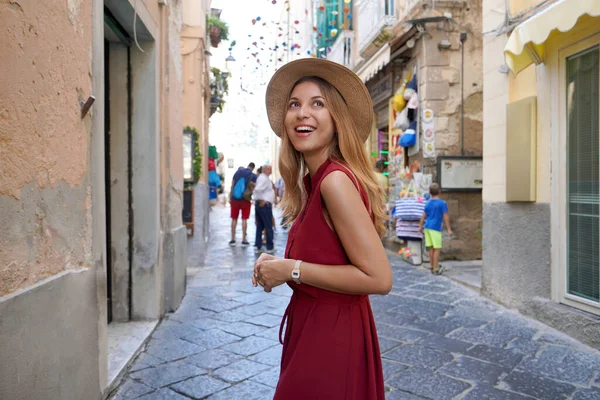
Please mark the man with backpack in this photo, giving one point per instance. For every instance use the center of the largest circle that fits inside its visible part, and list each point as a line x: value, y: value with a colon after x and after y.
x: 242, y: 185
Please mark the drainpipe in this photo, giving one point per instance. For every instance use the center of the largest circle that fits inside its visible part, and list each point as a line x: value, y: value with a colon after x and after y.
x: 463, y: 39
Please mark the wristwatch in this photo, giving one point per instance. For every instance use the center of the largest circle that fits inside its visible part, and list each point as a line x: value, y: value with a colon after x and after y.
x: 296, y: 272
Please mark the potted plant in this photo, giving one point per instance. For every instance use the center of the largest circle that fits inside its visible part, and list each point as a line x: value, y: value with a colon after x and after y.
x: 217, y: 30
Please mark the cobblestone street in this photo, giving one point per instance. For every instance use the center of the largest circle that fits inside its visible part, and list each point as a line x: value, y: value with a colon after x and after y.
x: 438, y: 340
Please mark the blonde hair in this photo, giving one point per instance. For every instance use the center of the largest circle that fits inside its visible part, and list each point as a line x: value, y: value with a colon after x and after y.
x: 347, y: 149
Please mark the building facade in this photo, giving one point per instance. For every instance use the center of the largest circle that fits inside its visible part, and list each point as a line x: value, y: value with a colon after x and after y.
x: 541, y: 157
x: 438, y: 45
x: 92, y: 241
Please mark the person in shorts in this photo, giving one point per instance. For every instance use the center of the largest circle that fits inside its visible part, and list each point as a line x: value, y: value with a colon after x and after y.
x: 240, y: 205
x: 434, y: 217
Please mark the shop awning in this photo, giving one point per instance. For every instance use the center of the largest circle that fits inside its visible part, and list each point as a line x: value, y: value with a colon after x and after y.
x: 525, y: 45
x: 375, y: 64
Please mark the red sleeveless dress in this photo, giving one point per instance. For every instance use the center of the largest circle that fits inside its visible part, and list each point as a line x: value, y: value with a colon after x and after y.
x: 330, y: 346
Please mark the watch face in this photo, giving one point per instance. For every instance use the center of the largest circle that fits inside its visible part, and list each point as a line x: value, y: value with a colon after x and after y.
x: 296, y: 274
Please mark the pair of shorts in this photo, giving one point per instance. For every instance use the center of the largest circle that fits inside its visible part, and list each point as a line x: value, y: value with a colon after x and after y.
x: 240, y: 205
x: 433, y: 239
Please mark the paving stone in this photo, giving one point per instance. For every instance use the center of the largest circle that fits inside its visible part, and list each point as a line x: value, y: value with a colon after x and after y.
x: 552, y: 362
x: 395, y: 394
x: 419, y: 294
x: 163, y: 394
x: 178, y: 331
x: 144, y: 360
x: 418, y: 356
x: 130, y: 389
x: 243, y: 329
x: 391, y: 368
x: 399, y: 333
x: 444, y: 298
x: 430, y: 288
x: 166, y: 374
x: 524, y: 346
x: 505, y: 357
x: 387, y: 344
x: 213, y: 359
x: 266, y: 320
x: 394, y: 318
x: 443, y: 343
x: 218, y: 305
x: 250, y: 345
x: 271, y: 356
x: 240, y: 370
x: 474, y: 370
x: 482, y: 392
x: 270, y: 377
x: 200, y: 386
x: 536, y: 386
x: 206, y: 324
x: 587, y: 394
x: 255, y: 309
x: 556, y: 339
x: 509, y: 329
x: 443, y: 326
x: 174, y: 350
x: 422, y: 382
x: 253, y: 298
x: 479, y: 336
x: 247, y: 390
x: 230, y: 316
x: 272, y: 333
x: 213, y: 338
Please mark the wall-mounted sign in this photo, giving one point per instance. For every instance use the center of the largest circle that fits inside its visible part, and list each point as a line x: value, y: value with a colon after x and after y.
x: 381, y: 90
x: 188, y: 156
x: 460, y: 173
x: 428, y: 130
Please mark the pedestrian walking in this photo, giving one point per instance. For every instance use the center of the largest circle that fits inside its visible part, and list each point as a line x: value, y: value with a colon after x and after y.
x: 434, y: 216
x: 334, y: 257
x: 264, y: 197
x: 241, y: 185
x: 280, y: 185
x: 381, y: 178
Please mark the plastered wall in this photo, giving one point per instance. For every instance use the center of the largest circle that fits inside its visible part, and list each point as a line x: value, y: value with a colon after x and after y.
x: 44, y: 193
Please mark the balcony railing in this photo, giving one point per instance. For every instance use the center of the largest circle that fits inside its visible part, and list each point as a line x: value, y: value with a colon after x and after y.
x: 375, y: 20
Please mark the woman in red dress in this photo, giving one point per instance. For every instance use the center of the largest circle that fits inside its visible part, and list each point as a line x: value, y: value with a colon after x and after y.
x: 334, y: 256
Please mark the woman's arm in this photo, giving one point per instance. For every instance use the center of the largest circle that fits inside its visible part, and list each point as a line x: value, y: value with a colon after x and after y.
x: 370, y: 272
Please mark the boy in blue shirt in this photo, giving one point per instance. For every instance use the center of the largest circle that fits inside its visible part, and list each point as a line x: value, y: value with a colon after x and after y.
x: 435, y: 214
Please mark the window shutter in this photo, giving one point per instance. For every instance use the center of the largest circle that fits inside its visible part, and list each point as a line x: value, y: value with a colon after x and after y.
x: 583, y: 221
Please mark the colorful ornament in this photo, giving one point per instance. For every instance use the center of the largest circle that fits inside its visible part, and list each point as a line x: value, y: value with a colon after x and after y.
x: 333, y: 32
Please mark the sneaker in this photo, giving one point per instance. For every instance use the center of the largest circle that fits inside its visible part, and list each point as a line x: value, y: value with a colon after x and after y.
x: 257, y: 249
x: 232, y: 243
x: 270, y: 251
x: 245, y: 243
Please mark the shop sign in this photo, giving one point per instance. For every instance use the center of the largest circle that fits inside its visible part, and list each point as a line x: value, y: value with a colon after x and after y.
x: 381, y: 90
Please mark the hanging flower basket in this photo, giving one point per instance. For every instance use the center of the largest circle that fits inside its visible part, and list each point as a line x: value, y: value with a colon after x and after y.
x: 215, y: 36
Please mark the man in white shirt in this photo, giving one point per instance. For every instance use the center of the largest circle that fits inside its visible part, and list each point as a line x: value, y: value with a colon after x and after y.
x: 264, y: 197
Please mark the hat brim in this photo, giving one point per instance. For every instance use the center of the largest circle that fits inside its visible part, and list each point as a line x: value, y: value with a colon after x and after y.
x: 352, y: 89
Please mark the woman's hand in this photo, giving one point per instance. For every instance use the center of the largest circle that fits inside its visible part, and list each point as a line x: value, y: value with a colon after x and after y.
x: 271, y: 271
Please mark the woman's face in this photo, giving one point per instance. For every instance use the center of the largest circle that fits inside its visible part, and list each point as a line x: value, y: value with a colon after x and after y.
x: 308, y: 122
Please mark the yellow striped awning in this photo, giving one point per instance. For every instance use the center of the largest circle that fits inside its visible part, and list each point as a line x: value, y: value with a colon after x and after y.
x: 525, y: 45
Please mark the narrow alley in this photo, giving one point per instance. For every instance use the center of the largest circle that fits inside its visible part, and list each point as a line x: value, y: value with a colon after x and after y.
x: 438, y: 339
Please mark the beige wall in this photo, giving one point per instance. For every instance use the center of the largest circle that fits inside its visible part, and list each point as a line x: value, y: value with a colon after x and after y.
x: 196, y: 90
x: 500, y: 90
x: 44, y: 143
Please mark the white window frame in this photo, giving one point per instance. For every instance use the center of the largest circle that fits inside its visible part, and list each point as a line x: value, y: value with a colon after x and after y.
x: 557, y: 65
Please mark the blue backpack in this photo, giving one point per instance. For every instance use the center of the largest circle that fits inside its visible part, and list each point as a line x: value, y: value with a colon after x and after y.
x: 238, y: 189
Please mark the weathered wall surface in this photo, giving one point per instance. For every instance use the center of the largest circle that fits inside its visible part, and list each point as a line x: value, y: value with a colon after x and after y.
x: 44, y: 193
x: 49, y: 340
x: 440, y: 90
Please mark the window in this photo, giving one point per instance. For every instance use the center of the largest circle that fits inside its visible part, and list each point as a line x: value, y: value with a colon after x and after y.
x: 389, y: 8
x: 582, y: 175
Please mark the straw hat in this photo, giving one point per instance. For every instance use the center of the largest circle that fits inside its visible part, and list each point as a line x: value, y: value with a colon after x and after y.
x: 345, y: 81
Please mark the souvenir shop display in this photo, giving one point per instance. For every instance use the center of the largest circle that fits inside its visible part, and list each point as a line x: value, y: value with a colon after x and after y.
x: 214, y: 180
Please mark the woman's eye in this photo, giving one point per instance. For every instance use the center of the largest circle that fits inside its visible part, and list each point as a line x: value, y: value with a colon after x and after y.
x: 319, y: 103
x: 294, y: 104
